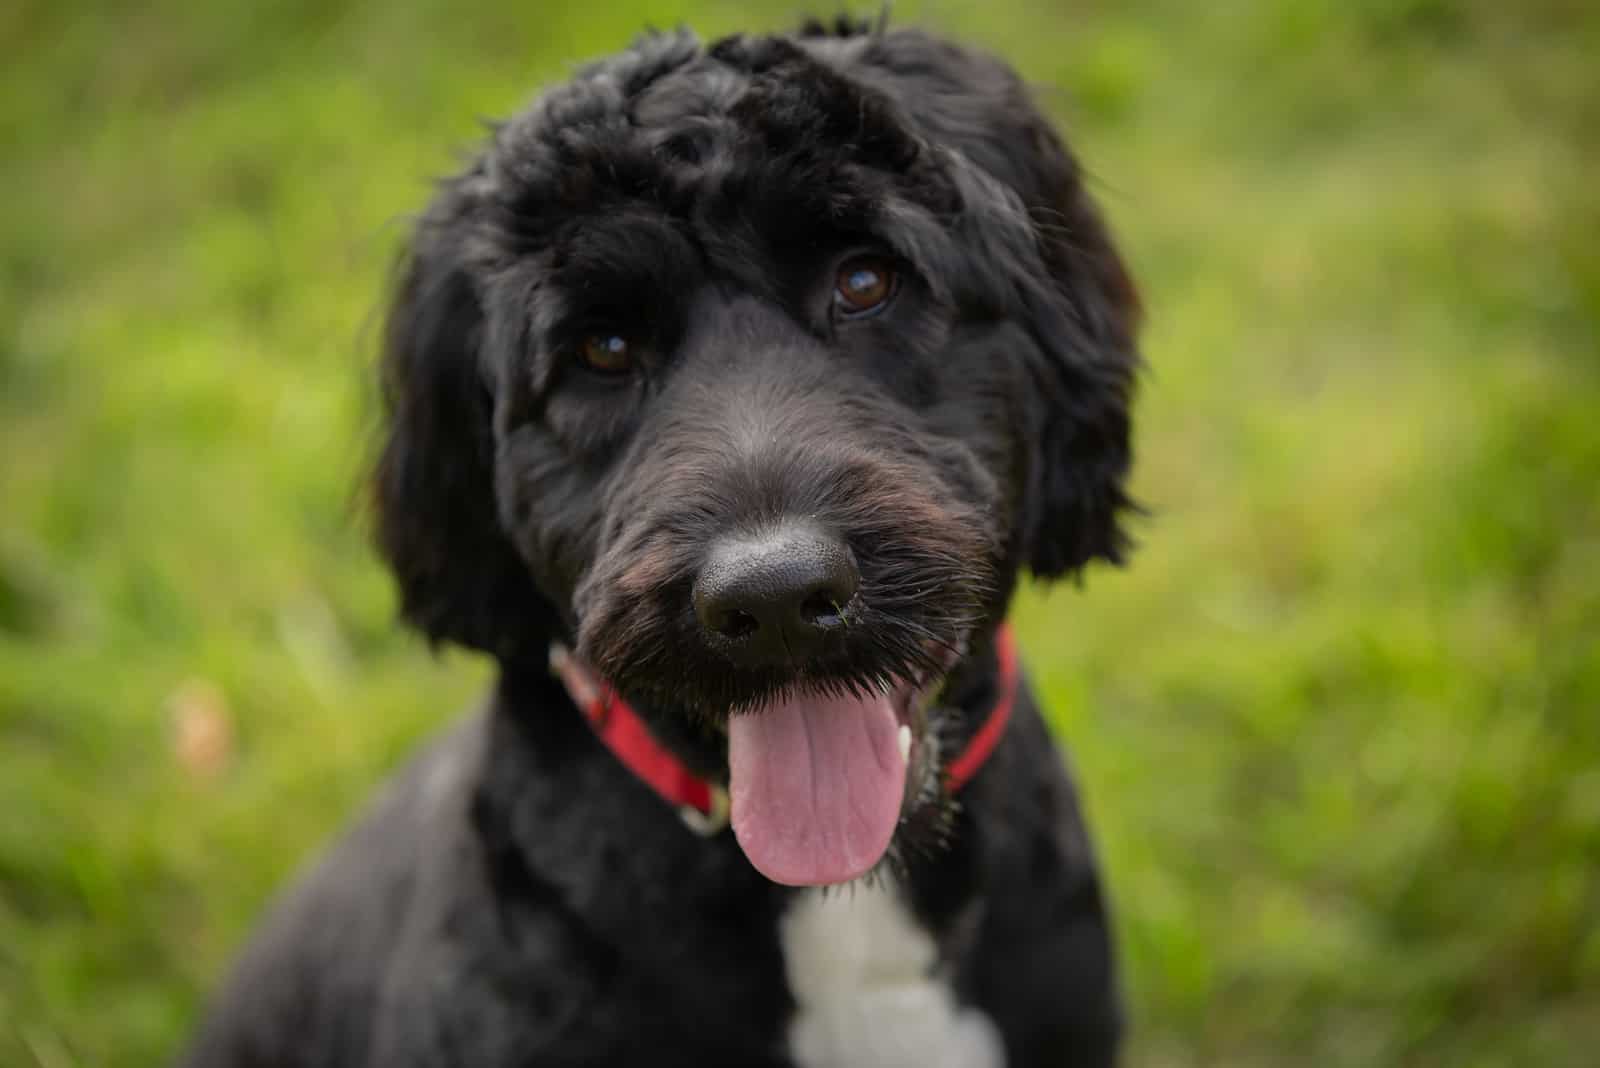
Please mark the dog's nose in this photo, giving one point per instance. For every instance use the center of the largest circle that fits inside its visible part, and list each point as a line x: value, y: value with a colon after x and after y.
x: 773, y: 598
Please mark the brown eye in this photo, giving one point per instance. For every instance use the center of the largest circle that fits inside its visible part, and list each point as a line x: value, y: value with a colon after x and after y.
x: 607, y: 353
x: 863, y: 286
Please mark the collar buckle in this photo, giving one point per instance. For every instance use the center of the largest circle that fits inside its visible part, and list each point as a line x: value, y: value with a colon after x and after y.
x: 712, y: 823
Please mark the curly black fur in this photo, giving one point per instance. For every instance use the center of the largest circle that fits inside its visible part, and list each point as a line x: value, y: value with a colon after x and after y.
x: 519, y: 899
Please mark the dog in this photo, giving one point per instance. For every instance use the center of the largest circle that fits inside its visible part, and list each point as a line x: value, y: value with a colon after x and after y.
x: 730, y: 388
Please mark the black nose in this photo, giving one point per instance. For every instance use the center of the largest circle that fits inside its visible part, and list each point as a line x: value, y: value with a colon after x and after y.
x: 774, y: 597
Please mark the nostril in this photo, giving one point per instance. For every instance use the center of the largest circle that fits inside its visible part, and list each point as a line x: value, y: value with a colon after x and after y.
x: 821, y: 609
x: 736, y: 623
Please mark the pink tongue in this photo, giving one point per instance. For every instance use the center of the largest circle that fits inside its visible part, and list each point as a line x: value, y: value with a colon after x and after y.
x: 815, y: 784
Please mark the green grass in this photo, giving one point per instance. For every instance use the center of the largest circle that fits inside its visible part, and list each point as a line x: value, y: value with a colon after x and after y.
x: 1339, y: 722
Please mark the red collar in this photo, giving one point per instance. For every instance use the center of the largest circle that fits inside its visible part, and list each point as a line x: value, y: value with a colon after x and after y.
x: 704, y: 804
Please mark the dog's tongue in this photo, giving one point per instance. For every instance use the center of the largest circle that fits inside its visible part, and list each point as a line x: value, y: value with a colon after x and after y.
x: 815, y: 785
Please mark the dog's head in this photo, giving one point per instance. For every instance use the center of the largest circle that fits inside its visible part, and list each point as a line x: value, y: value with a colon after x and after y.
x: 758, y: 371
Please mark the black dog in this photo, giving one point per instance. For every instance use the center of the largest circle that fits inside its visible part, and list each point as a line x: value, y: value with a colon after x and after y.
x: 754, y: 373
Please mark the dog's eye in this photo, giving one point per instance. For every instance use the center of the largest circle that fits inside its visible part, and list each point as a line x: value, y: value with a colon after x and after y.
x: 610, y: 354
x: 863, y: 286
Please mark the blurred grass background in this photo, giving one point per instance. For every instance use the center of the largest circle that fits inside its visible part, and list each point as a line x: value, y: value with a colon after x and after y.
x: 1339, y: 724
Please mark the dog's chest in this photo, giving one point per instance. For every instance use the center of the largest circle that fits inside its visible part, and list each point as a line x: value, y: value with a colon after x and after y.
x: 864, y: 974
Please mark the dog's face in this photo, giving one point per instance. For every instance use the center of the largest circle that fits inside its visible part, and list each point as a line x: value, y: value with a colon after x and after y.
x: 759, y: 371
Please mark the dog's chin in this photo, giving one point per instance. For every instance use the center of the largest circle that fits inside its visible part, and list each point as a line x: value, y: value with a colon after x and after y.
x: 822, y: 779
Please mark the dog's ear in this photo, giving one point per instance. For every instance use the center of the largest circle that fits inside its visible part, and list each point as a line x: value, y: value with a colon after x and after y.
x: 459, y: 578
x: 1085, y: 326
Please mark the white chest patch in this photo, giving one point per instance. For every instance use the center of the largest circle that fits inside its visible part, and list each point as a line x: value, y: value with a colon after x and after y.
x: 862, y: 971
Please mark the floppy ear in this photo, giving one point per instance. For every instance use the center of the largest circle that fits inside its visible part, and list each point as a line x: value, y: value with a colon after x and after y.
x: 459, y: 578
x: 1076, y: 500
